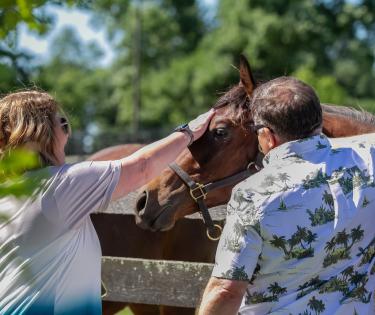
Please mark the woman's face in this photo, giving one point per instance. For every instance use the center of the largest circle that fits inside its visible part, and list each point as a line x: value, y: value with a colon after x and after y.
x: 61, y: 138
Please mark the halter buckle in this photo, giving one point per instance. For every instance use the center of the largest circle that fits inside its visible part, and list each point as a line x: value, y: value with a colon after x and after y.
x: 200, y: 189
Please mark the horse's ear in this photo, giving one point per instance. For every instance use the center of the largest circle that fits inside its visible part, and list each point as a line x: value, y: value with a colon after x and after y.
x: 246, y: 76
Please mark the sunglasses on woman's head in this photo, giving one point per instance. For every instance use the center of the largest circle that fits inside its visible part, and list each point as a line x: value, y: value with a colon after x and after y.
x: 64, y: 125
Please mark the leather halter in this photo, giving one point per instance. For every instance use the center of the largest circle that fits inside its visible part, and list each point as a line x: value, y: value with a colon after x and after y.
x: 198, y: 192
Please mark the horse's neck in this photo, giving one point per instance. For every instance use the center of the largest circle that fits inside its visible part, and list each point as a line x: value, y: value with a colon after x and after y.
x: 335, y: 126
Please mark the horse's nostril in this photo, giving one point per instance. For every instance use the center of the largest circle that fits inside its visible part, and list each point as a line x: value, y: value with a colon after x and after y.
x: 141, y: 202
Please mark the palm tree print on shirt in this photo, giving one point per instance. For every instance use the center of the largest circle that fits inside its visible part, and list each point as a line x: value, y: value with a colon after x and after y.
x: 277, y: 183
x: 274, y: 291
x: 282, y: 206
x: 310, y: 286
x: 368, y: 255
x: 234, y: 242
x: 317, y: 306
x: 320, y: 146
x: 236, y: 273
x: 335, y: 151
x: 325, y: 213
x: 348, y: 178
x: 241, y: 202
x: 351, y: 178
x: 298, y: 246
x: 365, y: 202
x: 338, y: 248
x: 352, y: 285
x: 297, y: 158
x: 315, y: 180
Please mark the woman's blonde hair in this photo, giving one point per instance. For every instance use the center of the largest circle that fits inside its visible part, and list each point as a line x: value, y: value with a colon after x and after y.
x: 29, y: 118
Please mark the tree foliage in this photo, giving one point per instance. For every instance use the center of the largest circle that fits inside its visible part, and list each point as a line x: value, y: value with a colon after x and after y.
x: 13, y: 179
x: 14, y: 12
x: 171, y: 61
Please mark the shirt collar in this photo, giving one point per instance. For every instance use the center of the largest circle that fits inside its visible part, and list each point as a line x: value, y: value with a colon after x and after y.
x: 297, y: 147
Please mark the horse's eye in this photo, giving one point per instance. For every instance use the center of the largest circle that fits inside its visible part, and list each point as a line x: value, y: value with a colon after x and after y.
x: 221, y: 132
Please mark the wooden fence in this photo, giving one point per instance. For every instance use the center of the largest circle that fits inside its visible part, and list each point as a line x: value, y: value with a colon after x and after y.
x: 160, y: 282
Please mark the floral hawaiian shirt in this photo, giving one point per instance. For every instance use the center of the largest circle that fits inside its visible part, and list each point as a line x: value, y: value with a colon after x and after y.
x: 301, y: 231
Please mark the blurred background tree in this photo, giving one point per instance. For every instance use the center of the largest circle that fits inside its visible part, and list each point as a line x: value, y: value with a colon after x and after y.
x: 13, y: 70
x: 171, y: 58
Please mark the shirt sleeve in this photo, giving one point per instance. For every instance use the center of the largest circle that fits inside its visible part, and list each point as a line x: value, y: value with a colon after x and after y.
x: 240, y: 244
x: 84, y: 188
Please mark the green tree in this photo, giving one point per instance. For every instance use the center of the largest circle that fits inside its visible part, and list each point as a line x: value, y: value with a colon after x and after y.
x: 28, y: 11
x: 75, y: 78
x: 8, y: 78
x: 143, y: 74
x: 32, y: 13
x: 13, y: 180
x: 326, y: 86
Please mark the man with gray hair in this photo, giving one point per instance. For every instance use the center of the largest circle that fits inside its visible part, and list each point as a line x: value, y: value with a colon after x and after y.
x: 298, y: 237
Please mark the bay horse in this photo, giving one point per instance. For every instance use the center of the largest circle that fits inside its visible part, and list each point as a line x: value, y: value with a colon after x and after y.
x: 227, y: 148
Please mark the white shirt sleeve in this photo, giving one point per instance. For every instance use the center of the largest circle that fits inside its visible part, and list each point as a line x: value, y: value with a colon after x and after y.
x: 240, y: 244
x: 83, y: 188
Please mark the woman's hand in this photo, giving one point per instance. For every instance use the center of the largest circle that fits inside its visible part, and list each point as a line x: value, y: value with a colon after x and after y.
x: 148, y: 162
x: 199, y: 125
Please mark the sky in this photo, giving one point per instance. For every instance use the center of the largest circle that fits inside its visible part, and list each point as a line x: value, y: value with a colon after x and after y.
x: 70, y: 17
x: 65, y: 17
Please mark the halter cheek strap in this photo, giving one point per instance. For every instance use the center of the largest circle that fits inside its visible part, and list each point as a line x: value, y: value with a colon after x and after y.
x: 198, y: 191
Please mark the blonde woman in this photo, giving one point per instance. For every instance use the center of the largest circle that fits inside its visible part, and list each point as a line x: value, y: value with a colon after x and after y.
x: 49, y: 250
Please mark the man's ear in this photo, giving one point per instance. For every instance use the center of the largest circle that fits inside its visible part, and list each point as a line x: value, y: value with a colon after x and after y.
x: 246, y: 76
x: 272, y: 140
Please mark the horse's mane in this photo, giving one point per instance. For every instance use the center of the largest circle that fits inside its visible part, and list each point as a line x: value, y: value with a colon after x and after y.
x: 349, y: 112
x: 237, y: 101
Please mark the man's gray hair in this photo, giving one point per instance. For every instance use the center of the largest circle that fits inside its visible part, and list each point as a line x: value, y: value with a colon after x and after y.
x: 287, y: 106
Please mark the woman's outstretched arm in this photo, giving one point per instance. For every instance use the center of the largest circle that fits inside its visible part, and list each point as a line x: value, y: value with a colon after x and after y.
x: 148, y: 162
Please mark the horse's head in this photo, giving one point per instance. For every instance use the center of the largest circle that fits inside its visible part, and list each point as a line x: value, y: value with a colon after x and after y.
x: 226, y: 148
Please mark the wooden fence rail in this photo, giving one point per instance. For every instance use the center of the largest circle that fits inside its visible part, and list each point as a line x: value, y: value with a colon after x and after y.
x: 160, y: 282
x: 146, y: 281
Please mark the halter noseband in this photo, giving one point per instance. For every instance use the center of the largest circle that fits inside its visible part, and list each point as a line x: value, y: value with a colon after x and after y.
x: 198, y: 192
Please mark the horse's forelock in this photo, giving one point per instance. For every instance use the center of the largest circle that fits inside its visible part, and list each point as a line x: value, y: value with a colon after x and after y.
x: 238, y: 103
